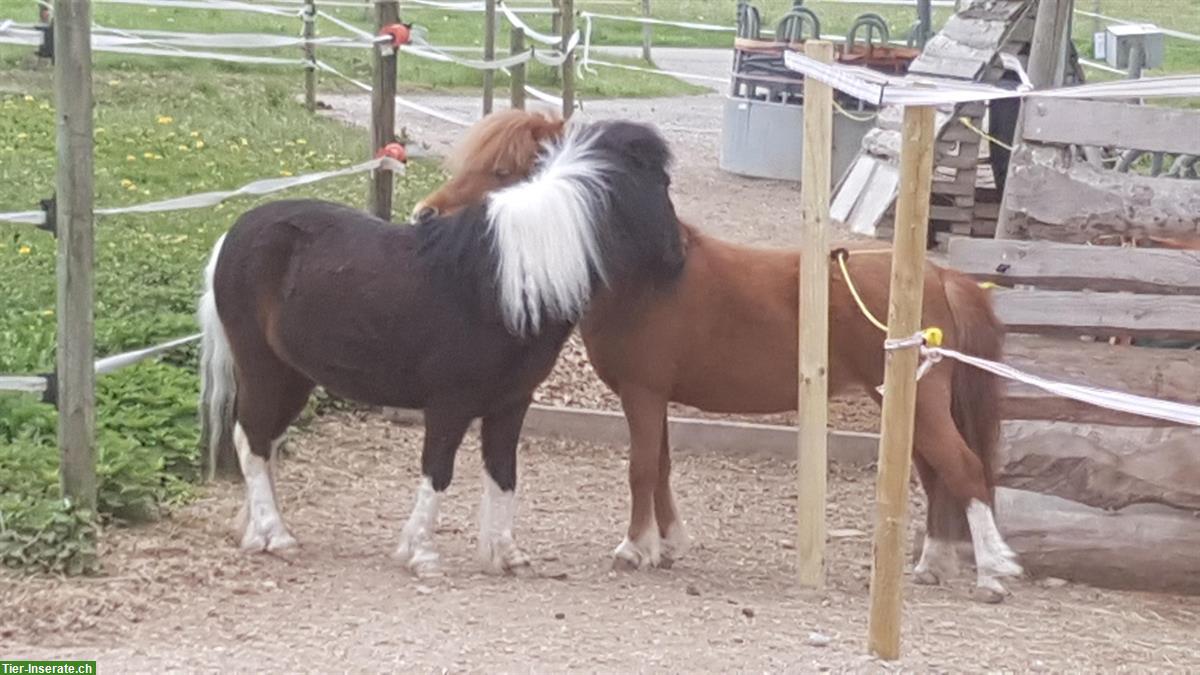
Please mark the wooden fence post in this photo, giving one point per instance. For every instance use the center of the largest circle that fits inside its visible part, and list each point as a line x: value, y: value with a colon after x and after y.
x: 516, y: 92
x: 489, y: 54
x: 310, y: 55
x: 813, y: 391
x: 647, y: 32
x: 76, y: 375
x: 567, y: 8
x: 899, y: 381
x: 383, y: 110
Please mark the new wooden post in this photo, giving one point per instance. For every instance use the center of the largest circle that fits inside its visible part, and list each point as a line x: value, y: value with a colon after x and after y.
x: 813, y: 391
x: 76, y: 375
x: 647, y: 32
x: 310, y: 55
x: 899, y: 381
x: 489, y: 54
x: 516, y: 94
x: 383, y: 110
x: 567, y: 22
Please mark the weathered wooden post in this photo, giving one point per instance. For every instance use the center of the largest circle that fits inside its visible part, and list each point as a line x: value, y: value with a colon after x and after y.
x: 567, y: 9
x: 516, y: 92
x: 76, y: 376
x: 310, y: 55
x: 925, y: 19
x: 383, y: 108
x: 489, y: 54
x: 813, y: 391
x: 899, y: 381
x: 647, y: 32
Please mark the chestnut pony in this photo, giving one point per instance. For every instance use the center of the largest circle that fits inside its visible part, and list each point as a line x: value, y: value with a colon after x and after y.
x: 462, y: 316
x: 722, y: 337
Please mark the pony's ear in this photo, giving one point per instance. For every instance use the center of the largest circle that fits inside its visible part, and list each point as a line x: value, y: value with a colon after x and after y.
x: 548, y: 128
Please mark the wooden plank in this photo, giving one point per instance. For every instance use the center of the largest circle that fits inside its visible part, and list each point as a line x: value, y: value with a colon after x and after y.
x: 1103, y: 314
x: 1043, y: 199
x: 976, y: 33
x: 899, y: 381
x: 383, y: 111
x: 1075, y: 267
x: 1146, y: 547
x: 850, y: 189
x: 961, y: 69
x: 952, y: 214
x: 813, y: 368
x: 876, y: 200
x: 1123, y: 125
x: 74, y: 179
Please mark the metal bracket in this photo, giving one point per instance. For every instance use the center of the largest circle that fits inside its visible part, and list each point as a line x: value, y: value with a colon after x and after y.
x: 50, y: 208
x: 46, y: 49
x: 50, y: 395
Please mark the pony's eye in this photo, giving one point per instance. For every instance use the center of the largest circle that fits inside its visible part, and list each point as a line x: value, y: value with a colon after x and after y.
x: 503, y: 173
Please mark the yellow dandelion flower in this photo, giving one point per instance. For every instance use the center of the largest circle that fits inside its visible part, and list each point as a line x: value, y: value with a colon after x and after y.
x: 130, y: 158
x: 28, y: 97
x: 131, y: 187
x: 25, y: 249
x: 199, y: 145
x: 285, y: 173
x: 301, y: 141
x: 47, y: 312
x: 148, y: 155
x: 165, y: 119
x: 114, y: 83
x: 184, y: 148
x: 195, y: 134
x: 125, y: 182
x: 243, y: 141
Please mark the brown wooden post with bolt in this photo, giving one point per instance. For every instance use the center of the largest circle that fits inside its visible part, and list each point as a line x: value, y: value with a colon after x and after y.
x: 383, y: 109
x: 76, y: 374
x: 568, y: 65
x: 489, y: 54
x: 517, y: 79
x: 899, y: 382
x: 310, y: 55
x: 813, y: 391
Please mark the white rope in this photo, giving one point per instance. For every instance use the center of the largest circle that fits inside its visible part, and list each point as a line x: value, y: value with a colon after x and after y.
x: 476, y: 6
x: 1165, y: 31
x: 257, y: 188
x: 28, y: 384
x: 1102, y: 66
x: 659, y: 71
x: 513, y: 19
x: 229, y: 5
x: 881, y: 89
x: 1105, y: 398
x: 109, y: 364
x: 411, y: 105
x: 659, y: 22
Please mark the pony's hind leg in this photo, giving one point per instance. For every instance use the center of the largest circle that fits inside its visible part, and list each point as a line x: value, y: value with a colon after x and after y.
x: 939, y: 557
x: 267, y: 403
x: 444, y: 431
x: 646, y: 413
x: 498, y: 551
x: 961, y: 473
x: 675, y: 541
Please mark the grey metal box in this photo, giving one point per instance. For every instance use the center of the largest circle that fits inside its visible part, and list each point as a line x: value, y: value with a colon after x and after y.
x: 1120, y: 39
x: 766, y: 139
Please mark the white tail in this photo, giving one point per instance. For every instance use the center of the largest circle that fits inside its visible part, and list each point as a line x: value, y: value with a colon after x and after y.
x: 218, y: 388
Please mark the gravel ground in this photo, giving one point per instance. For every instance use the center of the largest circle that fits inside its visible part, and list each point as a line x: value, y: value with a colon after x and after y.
x: 177, y: 596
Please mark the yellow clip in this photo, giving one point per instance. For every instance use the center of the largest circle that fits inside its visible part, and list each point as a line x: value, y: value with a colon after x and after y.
x: 933, y: 336
x: 987, y: 285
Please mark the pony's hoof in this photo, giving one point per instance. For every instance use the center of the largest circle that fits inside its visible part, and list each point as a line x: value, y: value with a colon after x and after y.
x: 270, y: 538
x: 675, y: 545
x: 631, y: 556
x: 989, y: 595
x: 926, y: 578
x: 506, y: 559
x: 421, y: 561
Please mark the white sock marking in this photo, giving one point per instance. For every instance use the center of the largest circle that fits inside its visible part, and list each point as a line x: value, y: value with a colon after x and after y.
x: 265, y: 530
x: 498, y: 552
x: 645, y: 551
x: 939, y: 561
x: 544, y: 231
x: 416, y: 548
x: 993, y: 557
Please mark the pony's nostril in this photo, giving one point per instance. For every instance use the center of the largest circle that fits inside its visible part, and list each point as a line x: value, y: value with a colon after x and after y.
x: 425, y: 213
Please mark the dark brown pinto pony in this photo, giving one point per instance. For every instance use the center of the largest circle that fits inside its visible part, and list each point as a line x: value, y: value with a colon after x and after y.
x: 722, y: 338
x: 462, y: 316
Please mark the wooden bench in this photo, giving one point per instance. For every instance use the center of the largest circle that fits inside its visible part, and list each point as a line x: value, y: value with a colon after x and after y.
x: 1087, y: 479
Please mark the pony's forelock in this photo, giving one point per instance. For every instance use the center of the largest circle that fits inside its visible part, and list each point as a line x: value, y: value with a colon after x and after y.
x: 508, y: 139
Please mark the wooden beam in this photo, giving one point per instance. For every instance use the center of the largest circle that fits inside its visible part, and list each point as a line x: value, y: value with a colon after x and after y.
x: 1100, y: 465
x: 309, y: 17
x: 1146, y: 547
x: 383, y: 110
x: 1054, y: 199
x: 900, y: 384
x: 76, y: 378
x: 815, y: 185
x: 1103, y: 314
x: 1136, y: 127
x: 489, y: 54
x: 1051, y: 265
x: 567, y: 23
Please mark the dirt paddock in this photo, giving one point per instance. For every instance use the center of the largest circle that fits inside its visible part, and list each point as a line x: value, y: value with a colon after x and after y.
x: 177, y: 595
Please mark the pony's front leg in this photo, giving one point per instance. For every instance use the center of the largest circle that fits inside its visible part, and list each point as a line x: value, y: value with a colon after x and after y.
x: 498, y: 551
x: 443, y: 434
x: 646, y: 414
x: 675, y: 540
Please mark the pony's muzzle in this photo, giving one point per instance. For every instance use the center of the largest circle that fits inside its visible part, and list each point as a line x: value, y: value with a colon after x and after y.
x: 423, y: 213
